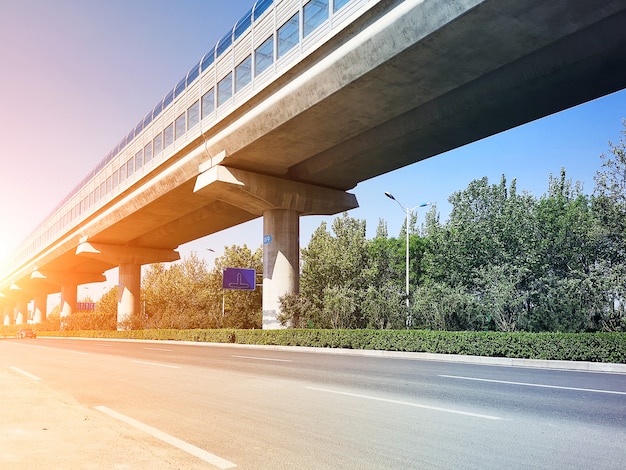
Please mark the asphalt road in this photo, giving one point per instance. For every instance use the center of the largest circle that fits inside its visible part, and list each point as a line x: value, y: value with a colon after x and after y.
x: 198, y: 406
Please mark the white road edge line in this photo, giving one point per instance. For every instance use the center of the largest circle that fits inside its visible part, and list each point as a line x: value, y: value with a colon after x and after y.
x: 158, y: 349
x: 23, y: 372
x: 559, y: 387
x: 407, y: 403
x: 157, y: 364
x: 174, y: 441
x: 263, y: 358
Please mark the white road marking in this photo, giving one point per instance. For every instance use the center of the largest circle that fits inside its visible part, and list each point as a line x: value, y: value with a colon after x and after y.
x: 77, y: 352
x: 157, y: 364
x: 158, y: 349
x: 263, y: 358
x: 174, y: 441
x: 614, y: 392
x: 23, y: 372
x: 104, y: 345
x: 407, y: 403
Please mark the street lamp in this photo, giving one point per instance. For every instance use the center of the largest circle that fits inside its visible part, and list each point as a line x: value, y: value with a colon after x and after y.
x: 408, y: 212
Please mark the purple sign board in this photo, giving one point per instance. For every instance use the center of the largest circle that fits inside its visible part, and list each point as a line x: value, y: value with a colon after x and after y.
x: 239, y: 279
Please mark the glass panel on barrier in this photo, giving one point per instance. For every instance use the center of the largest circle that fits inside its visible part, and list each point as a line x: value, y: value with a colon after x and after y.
x: 264, y: 56
x: 139, y: 159
x: 157, y: 144
x: 168, y: 136
x: 314, y: 14
x: 168, y: 99
x: 225, y: 89
x: 193, y: 115
x: 223, y: 44
x: 180, y: 87
x: 289, y: 35
x: 130, y: 166
x: 147, y: 120
x: 243, y: 73
x: 193, y: 74
x: 243, y: 24
x: 208, y: 103
x: 260, y: 6
x: 337, y: 4
x: 207, y: 60
x: 180, y: 126
x: 157, y: 110
x: 147, y: 152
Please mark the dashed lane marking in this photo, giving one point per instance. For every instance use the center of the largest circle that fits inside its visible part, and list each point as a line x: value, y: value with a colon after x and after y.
x: 407, y: 403
x: 263, y: 358
x: 23, y: 372
x: 525, y: 384
x: 174, y: 441
x: 157, y: 364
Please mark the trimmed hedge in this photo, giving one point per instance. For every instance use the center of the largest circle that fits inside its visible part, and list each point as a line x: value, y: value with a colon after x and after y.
x: 593, y: 347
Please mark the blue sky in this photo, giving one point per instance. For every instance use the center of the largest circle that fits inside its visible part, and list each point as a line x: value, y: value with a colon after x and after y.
x: 78, y: 75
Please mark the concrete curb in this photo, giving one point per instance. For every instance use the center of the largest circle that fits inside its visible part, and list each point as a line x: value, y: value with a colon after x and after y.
x: 583, y: 366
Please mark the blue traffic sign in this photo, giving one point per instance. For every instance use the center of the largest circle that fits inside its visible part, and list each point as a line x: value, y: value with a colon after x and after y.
x: 239, y: 279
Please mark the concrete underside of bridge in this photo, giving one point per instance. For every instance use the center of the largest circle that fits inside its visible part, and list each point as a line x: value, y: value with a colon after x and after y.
x: 406, y: 81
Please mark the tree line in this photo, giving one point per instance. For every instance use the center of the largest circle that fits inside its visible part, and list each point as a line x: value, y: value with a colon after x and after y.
x: 504, y: 260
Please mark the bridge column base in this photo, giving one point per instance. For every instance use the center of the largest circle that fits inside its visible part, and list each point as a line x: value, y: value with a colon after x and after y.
x: 21, y: 312
x: 8, y: 315
x: 39, y: 309
x: 128, y: 295
x: 68, y: 299
x: 281, y: 261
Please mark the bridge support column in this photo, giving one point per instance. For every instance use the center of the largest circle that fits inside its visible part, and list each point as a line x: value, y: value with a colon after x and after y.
x: 21, y: 312
x: 8, y: 314
x: 128, y: 294
x: 129, y: 259
x: 281, y: 202
x: 281, y: 261
x: 68, y: 299
x: 40, y: 308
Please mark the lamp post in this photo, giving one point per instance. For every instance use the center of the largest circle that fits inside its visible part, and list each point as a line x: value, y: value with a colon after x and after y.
x: 408, y: 212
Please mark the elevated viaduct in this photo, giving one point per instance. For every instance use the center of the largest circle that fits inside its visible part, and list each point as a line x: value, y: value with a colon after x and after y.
x: 298, y: 103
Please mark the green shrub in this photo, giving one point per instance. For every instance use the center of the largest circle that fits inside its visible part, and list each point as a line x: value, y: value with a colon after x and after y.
x: 593, y: 347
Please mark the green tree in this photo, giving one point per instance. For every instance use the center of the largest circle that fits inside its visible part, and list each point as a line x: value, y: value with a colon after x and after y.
x: 566, y: 251
x: 187, y: 295
x: 383, y: 302
x: 609, y: 205
x: 484, y: 249
x: 177, y: 296
x: 107, y: 305
x: 241, y: 309
x: 333, y: 277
